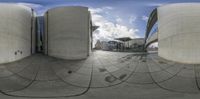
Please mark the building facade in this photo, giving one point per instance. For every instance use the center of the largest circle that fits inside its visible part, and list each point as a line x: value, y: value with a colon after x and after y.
x: 178, y: 31
x: 135, y: 44
x: 68, y: 32
x: 17, y: 32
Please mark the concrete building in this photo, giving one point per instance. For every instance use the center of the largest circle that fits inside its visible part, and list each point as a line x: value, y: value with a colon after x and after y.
x: 123, y: 40
x: 104, y: 45
x: 17, y: 32
x: 178, y: 31
x: 135, y: 44
x: 68, y: 32
x: 112, y: 45
x: 98, y: 45
x: 115, y: 45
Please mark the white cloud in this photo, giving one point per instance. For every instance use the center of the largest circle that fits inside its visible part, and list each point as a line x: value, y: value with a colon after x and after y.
x: 97, y: 10
x: 118, y: 20
x: 100, y: 10
x: 145, y: 18
x: 132, y: 19
x: 153, y: 4
x: 32, y: 5
x: 109, y: 30
x: 109, y: 8
x: 40, y: 9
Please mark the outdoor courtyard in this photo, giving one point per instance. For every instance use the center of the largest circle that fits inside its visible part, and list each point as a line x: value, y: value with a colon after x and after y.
x: 103, y: 75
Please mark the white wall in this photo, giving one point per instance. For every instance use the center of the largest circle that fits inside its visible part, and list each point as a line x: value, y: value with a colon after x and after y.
x: 67, y: 32
x: 179, y: 32
x: 15, y: 32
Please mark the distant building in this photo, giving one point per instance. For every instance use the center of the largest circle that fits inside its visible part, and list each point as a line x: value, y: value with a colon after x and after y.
x: 131, y: 44
x: 98, y: 45
x: 125, y: 44
x: 135, y: 44
x: 112, y: 45
x: 123, y: 40
x: 104, y: 45
x: 115, y: 45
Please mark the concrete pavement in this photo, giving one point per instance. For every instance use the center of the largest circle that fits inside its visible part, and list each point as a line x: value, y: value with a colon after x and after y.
x: 103, y: 75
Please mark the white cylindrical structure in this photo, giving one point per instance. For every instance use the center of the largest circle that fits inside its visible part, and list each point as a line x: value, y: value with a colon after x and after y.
x: 179, y: 32
x: 16, y: 32
x: 67, y: 32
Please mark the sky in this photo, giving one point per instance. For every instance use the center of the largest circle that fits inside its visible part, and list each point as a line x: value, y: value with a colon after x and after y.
x: 116, y: 18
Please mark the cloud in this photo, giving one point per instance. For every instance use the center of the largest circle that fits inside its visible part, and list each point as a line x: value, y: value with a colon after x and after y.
x: 32, y: 5
x: 97, y: 10
x: 155, y: 4
x: 100, y: 10
x: 109, y: 30
x: 118, y: 20
x: 40, y: 9
x: 109, y: 8
x: 132, y: 19
x: 145, y: 18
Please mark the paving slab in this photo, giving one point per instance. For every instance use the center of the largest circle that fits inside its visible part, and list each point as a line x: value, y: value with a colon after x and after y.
x: 104, y: 74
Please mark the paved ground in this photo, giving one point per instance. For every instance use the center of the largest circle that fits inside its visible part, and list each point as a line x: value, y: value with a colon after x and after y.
x: 104, y: 75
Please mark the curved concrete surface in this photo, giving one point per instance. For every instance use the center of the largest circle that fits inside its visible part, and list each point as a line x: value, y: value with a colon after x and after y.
x: 179, y: 32
x: 16, y: 30
x: 67, y: 33
x: 102, y: 75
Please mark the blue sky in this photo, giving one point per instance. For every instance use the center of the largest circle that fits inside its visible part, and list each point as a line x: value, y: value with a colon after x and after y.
x: 116, y: 18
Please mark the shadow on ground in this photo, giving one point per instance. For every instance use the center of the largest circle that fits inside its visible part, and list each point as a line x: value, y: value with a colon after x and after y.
x: 102, y: 75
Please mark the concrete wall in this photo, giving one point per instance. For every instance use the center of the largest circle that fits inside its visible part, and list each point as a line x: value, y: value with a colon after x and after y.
x: 67, y: 32
x: 15, y: 32
x: 34, y: 30
x: 179, y: 32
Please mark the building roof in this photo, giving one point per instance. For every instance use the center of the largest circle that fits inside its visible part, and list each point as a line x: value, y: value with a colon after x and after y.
x: 94, y: 27
x: 138, y: 39
x: 124, y: 39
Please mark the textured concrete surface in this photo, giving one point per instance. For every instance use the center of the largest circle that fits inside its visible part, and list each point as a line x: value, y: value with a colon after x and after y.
x: 16, y: 30
x: 104, y: 75
x: 67, y: 32
x: 178, y: 37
